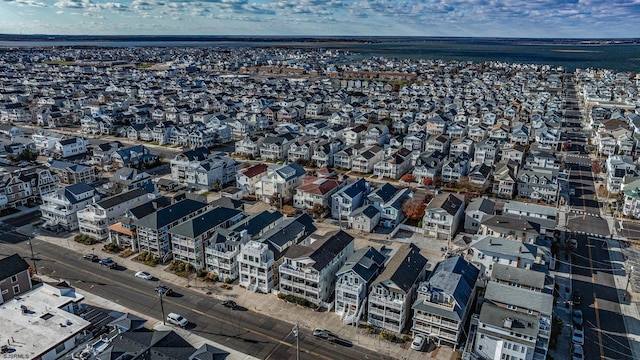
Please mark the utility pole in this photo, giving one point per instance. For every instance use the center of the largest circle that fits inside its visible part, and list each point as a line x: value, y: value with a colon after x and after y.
x: 297, y: 335
x: 33, y: 258
x: 161, y: 294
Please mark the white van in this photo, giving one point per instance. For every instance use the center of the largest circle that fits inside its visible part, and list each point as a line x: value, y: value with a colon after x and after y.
x: 176, y: 319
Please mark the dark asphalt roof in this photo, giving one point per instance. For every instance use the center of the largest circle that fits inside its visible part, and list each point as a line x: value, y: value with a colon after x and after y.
x: 12, y: 265
x: 170, y: 214
x: 120, y: 198
x: 202, y: 223
x: 330, y: 248
x: 367, y: 262
x: 404, y: 268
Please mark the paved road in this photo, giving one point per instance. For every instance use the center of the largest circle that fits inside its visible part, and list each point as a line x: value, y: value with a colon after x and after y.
x: 584, y: 216
x: 246, y: 331
x: 592, y: 276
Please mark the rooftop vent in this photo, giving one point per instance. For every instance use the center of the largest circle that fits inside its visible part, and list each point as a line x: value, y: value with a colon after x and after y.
x: 508, y: 322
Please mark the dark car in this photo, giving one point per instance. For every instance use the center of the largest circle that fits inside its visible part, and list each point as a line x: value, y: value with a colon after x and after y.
x: 164, y: 289
x: 108, y: 262
x: 323, y: 334
x: 575, y: 297
x: 230, y: 304
x: 92, y: 257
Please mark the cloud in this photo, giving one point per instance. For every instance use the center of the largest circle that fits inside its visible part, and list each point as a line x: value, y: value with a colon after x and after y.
x: 31, y: 3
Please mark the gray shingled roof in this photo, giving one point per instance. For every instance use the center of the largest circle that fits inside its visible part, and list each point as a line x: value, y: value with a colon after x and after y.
x: 169, y: 214
x: 520, y: 276
x: 404, y: 268
x: 12, y: 265
x: 366, y: 262
x: 520, y: 322
x: 522, y: 298
x: 330, y: 248
x: 202, y: 223
x: 120, y: 198
x: 502, y: 246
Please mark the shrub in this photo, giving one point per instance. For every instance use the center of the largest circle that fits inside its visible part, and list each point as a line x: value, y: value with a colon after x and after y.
x: 85, y: 239
x: 212, y: 276
x: 389, y: 336
x: 228, y: 280
x: 126, y: 253
x: 201, y: 273
x: 112, y: 247
x: 370, y: 329
x: 281, y: 296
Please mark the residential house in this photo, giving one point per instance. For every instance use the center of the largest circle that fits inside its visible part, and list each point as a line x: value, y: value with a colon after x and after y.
x: 95, y: 219
x: 486, y: 152
x: 324, y: 152
x: 504, y: 179
x: 280, y: 182
x: 60, y: 208
x: 191, y: 239
x: 618, y: 167
x: 65, y: 148
x: 539, y: 184
x: 443, y: 216
x: 394, y: 165
x: 316, y: 192
x: 455, y: 169
x: 101, y: 153
x: 353, y: 281
x: 216, y: 170
x: 15, y: 278
x: 302, y: 149
x: 343, y: 158
x: 275, y: 148
x: 349, y: 198
x: 309, y: 271
x: 249, y: 146
x: 480, y: 176
x: 123, y: 232
x: 365, y: 161
x: 364, y: 218
x: 444, y: 302
x: 182, y: 161
x: 510, y: 227
x: 71, y: 173
x: 513, y: 152
x: 439, y: 143
x: 133, y: 156
x: 394, y: 290
x: 388, y: 201
x: 355, y: 135
x: 247, y: 178
x: 128, y: 178
x: 477, y: 210
x: 429, y: 166
x: 152, y: 231
x: 257, y: 267
x: 490, y: 250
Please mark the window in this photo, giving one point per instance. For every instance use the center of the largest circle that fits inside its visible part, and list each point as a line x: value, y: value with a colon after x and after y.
x: 16, y: 289
x: 14, y: 278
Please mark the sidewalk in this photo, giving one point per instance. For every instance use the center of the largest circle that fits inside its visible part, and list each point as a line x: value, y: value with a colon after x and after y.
x: 265, y: 304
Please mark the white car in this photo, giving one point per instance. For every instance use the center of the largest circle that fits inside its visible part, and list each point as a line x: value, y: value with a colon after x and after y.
x: 578, y: 337
x: 418, y: 343
x: 144, y: 275
x: 176, y: 319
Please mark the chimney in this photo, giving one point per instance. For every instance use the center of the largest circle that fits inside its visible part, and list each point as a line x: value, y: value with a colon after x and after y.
x: 508, y: 322
x: 520, y: 249
x: 490, y: 241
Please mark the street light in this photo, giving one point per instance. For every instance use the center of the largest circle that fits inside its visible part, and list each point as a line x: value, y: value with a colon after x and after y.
x: 626, y: 290
x: 160, y: 295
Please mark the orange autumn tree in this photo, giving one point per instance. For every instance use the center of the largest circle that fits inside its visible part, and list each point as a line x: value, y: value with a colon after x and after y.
x: 414, y: 208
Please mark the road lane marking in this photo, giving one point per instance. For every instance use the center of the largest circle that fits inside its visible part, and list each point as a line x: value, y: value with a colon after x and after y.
x: 595, y: 299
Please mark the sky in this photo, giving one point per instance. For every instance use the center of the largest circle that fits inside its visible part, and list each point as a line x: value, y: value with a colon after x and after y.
x: 476, y: 18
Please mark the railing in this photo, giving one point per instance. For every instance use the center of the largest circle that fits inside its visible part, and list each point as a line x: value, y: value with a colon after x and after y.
x: 285, y: 269
x: 386, y: 314
x: 222, y: 254
x: 354, y: 289
x: 55, y: 210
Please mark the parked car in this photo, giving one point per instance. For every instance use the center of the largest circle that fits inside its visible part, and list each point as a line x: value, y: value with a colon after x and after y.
x: 418, y: 343
x: 108, y: 262
x: 577, y: 336
x: 230, y: 304
x: 577, y: 353
x: 164, y: 289
x: 577, y: 317
x: 323, y: 334
x: 576, y: 298
x: 572, y: 191
x: 176, y: 319
x: 144, y: 275
x: 92, y: 257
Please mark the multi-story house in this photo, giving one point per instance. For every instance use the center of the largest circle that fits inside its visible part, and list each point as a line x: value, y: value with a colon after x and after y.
x: 309, y: 271
x: 486, y: 152
x: 65, y: 148
x: 275, y: 148
x: 504, y: 179
x: 256, y: 267
x: 510, y: 227
x: 429, y: 166
x: 539, y: 184
x: 461, y: 146
x: 542, y: 159
x: 416, y: 141
x: 520, y: 134
x: 631, y: 205
x: 15, y: 278
x: 456, y: 168
x: 388, y: 201
x: 439, y: 143
x: 123, y: 232
x: 152, y: 231
x: 182, y: 161
x: 443, y: 216
x: 490, y: 250
x: 302, y: 149
x: 364, y: 218
x: 349, y: 198
x: 41, y: 181
x: 394, y: 165
x: 514, y: 321
x: 480, y: 176
x: 129, y: 178
x: 355, y: 135
x: 394, y: 290
x: 323, y: 154
x: 217, y: 168
x: 247, y: 178
x: 477, y: 209
x: 249, y: 146
x: 95, y: 219
x: 133, y: 156
x: 71, y: 173
x: 376, y: 135
x: 316, y: 191
x: 192, y: 239
x: 513, y: 152
x: 444, y: 301
x: 618, y: 167
x: 353, y: 281
x: 364, y: 162
x: 343, y: 158
x: 281, y: 182
x: 60, y: 208
x: 101, y: 153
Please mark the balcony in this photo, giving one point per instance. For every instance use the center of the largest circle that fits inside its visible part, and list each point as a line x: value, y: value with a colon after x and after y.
x: 299, y: 286
x: 221, y: 254
x: 436, y: 321
x: 61, y: 211
x: 285, y: 269
x: 347, y: 288
x: 386, y: 314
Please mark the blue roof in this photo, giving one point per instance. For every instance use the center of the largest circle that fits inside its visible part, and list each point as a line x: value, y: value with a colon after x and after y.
x: 356, y: 188
x: 456, y: 277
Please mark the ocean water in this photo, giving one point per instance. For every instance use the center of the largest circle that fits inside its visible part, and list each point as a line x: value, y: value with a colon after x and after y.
x: 570, y: 54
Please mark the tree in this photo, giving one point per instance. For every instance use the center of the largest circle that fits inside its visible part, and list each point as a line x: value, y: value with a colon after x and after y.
x: 414, y: 208
x: 318, y: 210
x: 408, y: 178
x: 217, y: 186
x: 565, y: 146
x: 274, y: 200
x: 596, y: 166
x: 427, y: 181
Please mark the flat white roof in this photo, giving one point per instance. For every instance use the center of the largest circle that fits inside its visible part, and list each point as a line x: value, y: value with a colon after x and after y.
x: 34, y: 323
